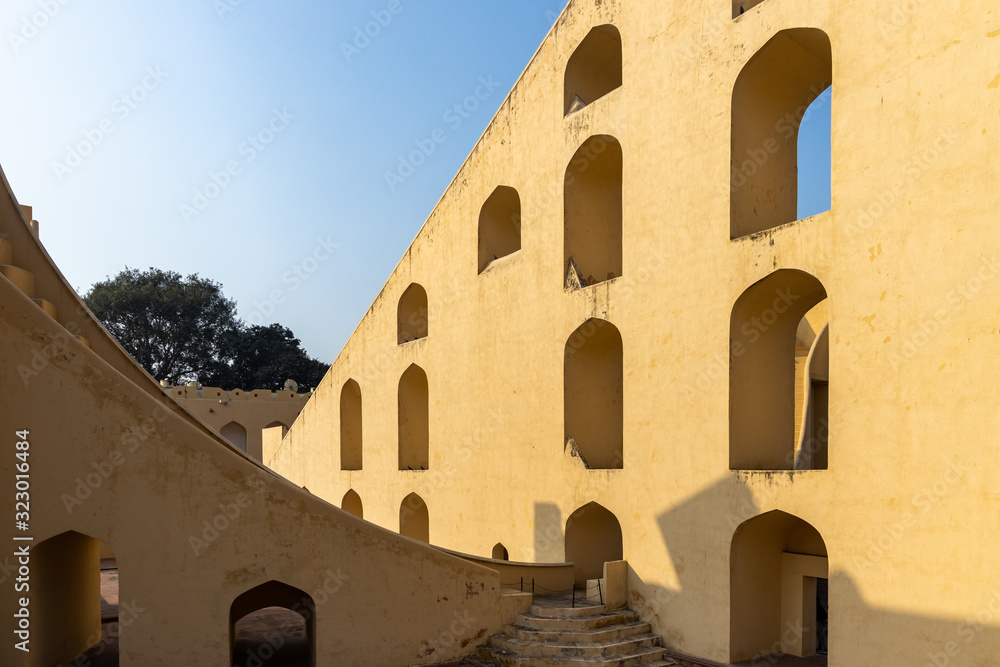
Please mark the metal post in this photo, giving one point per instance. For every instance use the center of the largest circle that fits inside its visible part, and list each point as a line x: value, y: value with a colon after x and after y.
x: 522, y: 584
x: 600, y: 595
x: 574, y: 596
x: 532, y: 585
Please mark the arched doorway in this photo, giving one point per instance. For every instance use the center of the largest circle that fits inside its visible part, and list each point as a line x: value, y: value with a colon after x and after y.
x: 593, y: 538
x: 500, y: 552
x: 273, y: 623
x: 779, y: 573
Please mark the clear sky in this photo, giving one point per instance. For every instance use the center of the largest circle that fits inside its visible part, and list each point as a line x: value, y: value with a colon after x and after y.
x: 248, y: 141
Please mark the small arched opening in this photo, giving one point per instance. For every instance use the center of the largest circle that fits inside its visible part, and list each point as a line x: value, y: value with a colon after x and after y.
x: 411, y: 315
x: 594, y: 69
x: 352, y: 504
x: 351, y: 449
x: 592, y: 226
x: 235, y: 433
x: 414, y: 420
x: 414, y: 520
x: 500, y: 552
x: 499, y: 226
x: 593, y: 404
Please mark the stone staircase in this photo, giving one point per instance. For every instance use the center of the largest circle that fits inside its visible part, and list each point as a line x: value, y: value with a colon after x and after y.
x: 565, y: 637
x: 25, y: 280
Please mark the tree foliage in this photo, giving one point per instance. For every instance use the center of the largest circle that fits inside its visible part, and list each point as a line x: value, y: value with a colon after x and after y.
x: 185, y: 329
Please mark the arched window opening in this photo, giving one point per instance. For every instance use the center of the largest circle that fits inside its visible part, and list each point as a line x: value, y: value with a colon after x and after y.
x: 593, y: 538
x: 414, y: 521
x: 777, y: 341
x: 779, y: 581
x: 594, y: 69
x: 261, y: 617
x: 74, y: 602
x: 500, y: 552
x: 593, y: 403
x: 411, y: 316
x: 352, y: 504
x: 499, y: 226
x: 414, y: 423
x: 592, y: 243
x: 740, y: 7
x: 236, y: 434
x: 770, y: 99
x: 351, y: 451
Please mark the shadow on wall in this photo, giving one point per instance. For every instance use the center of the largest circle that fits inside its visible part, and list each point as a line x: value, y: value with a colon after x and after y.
x: 550, y: 544
x: 773, y: 559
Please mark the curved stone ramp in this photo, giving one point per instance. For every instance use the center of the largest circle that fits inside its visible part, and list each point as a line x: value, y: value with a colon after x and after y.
x: 566, y: 637
x: 194, y: 524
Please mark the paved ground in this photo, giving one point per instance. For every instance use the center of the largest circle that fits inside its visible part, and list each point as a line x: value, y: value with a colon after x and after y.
x: 786, y: 661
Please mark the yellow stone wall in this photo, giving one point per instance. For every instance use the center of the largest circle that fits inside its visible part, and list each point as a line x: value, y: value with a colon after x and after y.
x: 908, y: 258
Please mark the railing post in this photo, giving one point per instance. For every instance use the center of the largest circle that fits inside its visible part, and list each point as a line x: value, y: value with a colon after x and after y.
x: 600, y: 595
x: 522, y: 584
x: 532, y: 585
x: 574, y: 596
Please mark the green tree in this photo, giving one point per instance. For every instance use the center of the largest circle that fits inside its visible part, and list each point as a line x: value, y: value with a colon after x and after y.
x: 264, y: 358
x: 185, y: 329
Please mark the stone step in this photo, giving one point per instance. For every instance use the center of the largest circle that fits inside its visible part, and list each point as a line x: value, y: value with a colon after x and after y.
x: 23, y: 280
x: 577, y: 623
x: 567, y: 612
x: 48, y: 307
x: 586, y: 636
x: 585, y: 650
x: 645, y: 656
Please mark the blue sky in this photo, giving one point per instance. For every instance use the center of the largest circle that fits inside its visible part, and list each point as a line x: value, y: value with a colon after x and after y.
x: 242, y: 141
